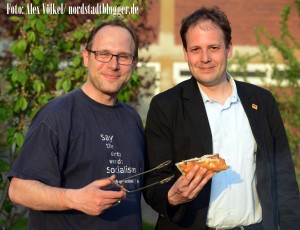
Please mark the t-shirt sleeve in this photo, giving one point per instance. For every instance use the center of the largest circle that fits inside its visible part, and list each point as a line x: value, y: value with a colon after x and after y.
x: 38, y: 158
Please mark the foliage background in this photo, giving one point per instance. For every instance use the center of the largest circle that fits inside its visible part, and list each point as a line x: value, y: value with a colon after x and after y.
x: 286, y: 89
x: 44, y: 62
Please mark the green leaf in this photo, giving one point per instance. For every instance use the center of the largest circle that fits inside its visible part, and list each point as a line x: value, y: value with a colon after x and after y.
x: 19, y: 139
x: 19, y: 47
x: 53, y: 63
x: 21, y: 104
x: 7, y: 206
x: 33, y: 112
x: 76, y: 61
x: 59, y: 84
x: 10, y: 135
x: 21, y: 44
x: 67, y: 84
x: 4, y: 166
x: 31, y: 36
x: 43, y: 99
x: 78, y: 35
x: 135, y: 17
x: 77, y: 74
x: 39, y: 25
x: 60, y: 73
x: 19, y: 77
x: 26, y: 27
x: 68, y: 45
x: 15, y: 18
x: 2, y: 114
x: 135, y: 76
x: 124, y: 95
x: 38, y: 54
x: 38, y: 86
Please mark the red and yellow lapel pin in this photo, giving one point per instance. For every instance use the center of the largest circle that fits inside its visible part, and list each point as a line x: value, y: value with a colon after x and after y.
x: 254, y: 106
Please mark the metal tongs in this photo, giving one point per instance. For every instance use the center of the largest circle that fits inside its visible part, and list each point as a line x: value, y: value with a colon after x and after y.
x: 166, y: 180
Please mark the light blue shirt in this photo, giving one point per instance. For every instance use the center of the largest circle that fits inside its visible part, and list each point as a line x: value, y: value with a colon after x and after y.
x: 233, y: 200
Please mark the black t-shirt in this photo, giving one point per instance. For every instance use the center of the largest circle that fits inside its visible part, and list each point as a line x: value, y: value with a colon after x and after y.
x: 73, y: 141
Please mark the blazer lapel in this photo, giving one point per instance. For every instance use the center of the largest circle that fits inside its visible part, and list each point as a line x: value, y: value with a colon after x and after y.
x: 194, y: 107
x: 251, y: 107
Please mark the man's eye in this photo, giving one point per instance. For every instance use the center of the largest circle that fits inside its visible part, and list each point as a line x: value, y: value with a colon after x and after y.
x: 194, y: 50
x: 125, y: 57
x: 103, y: 54
x: 214, y: 47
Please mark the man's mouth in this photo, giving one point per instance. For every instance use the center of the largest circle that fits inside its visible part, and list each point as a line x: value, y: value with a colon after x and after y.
x: 111, y: 75
x: 206, y: 68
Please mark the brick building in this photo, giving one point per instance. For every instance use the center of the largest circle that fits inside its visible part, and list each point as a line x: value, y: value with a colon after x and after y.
x: 166, y: 51
x: 165, y: 16
x: 166, y: 55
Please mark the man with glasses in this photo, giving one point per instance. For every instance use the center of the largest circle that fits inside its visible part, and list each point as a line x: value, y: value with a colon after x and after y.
x: 79, y: 143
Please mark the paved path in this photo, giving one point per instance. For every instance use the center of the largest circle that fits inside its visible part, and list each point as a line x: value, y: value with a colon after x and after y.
x: 148, y: 214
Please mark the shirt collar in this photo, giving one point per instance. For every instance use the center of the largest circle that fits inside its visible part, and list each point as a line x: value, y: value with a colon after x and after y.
x: 234, y: 96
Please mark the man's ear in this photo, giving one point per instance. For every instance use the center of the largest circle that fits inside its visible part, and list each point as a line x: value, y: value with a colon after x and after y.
x: 230, y: 50
x: 85, y: 56
x: 134, y: 63
x: 186, y: 58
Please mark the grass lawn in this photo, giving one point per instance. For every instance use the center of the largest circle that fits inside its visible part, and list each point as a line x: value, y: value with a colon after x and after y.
x: 22, y: 225
x: 147, y: 226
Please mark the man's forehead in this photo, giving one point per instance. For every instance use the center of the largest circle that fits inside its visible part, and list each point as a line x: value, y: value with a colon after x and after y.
x: 112, y: 30
x: 205, y: 25
x: 108, y: 33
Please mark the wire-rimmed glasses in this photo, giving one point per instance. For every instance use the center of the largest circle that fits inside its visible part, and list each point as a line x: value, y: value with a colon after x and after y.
x: 105, y: 56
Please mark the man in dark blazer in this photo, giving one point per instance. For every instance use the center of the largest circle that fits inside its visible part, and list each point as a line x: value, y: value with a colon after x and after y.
x: 259, y: 190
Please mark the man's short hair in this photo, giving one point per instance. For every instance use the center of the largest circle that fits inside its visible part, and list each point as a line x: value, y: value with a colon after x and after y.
x: 214, y: 14
x: 118, y: 23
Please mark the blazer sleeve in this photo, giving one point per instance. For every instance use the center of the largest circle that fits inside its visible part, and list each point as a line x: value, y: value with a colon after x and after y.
x: 160, y: 148
x: 287, y: 191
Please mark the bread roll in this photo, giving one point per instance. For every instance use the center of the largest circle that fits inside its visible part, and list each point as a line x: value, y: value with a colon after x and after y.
x: 213, y: 163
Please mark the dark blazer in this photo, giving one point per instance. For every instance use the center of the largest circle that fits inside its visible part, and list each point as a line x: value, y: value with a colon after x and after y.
x: 177, y: 129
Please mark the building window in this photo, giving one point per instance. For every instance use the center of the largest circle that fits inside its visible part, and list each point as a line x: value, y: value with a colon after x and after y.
x: 151, y: 73
x: 181, y: 72
x: 258, y: 74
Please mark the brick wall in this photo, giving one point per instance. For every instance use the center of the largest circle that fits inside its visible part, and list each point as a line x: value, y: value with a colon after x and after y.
x: 244, y: 16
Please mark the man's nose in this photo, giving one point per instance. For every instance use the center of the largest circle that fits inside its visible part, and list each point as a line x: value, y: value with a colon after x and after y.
x: 114, y: 63
x: 205, y: 56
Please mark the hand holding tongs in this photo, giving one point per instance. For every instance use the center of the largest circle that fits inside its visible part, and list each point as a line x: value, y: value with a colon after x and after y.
x: 121, y: 185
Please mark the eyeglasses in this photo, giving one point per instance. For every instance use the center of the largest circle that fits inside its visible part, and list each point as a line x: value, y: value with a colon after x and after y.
x: 165, y: 180
x: 104, y: 56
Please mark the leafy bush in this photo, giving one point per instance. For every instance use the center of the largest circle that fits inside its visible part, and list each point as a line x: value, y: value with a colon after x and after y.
x: 44, y: 62
x: 287, y: 88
